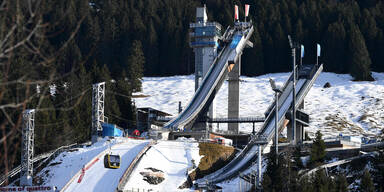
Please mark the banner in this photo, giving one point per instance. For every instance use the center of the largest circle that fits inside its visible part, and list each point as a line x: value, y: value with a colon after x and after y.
x: 30, y: 188
x: 318, y: 50
x: 246, y: 10
x: 236, y: 13
x: 302, y: 51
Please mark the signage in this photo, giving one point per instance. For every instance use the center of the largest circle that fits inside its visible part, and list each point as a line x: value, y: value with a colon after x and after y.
x: 29, y: 188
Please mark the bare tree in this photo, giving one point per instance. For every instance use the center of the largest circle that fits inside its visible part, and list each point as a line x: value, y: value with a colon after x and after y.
x: 23, y: 37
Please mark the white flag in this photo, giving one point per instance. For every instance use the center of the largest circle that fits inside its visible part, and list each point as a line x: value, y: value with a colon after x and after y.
x: 302, y: 51
x: 246, y: 10
x: 318, y: 50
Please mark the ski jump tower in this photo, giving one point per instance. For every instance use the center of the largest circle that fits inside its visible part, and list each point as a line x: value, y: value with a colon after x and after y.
x: 205, y: 38
x: 204, y: 41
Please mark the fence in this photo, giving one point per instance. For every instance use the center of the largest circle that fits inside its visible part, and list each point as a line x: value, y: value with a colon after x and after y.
x: 47, y: 156
x: 125, y: 178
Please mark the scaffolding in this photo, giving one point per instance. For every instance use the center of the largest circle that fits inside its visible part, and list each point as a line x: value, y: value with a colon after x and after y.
x: 98, y: 96
x: 26, y: 173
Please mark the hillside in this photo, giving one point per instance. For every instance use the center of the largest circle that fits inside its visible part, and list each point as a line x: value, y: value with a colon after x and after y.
x: 347, y: 107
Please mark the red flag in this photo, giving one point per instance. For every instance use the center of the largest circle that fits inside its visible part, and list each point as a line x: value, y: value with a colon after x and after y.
x: 246, y: 10
x: 236, y: 13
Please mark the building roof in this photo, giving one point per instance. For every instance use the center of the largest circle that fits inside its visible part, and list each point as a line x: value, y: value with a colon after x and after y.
x: 152, y: 110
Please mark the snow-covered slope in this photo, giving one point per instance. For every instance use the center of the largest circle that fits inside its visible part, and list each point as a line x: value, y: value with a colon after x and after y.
x: 96, y: 178
x: 173, y: 158
x: 60, y: 170
x: 346, y: 107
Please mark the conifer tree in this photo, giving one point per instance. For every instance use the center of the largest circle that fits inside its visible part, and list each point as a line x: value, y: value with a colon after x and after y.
x: 334, y: 48
x: 318, y: 149
x: 305, y: 184
x: 124, y: 100
x: 341, y: 183
x: 136, y: 62
x: 275, y: 172
x: 360, y: 61
x: 366, y: 183
x: 320, y: 182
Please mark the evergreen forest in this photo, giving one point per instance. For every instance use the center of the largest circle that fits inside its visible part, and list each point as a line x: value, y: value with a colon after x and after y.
x: 51, y: 52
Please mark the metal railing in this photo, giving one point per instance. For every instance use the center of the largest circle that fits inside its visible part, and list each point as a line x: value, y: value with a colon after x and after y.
x: 45, y: 156
x: 125, y: 178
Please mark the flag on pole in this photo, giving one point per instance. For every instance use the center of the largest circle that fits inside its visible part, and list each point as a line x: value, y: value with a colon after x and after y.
x: 302, y: 51
x: 236, y: 13
x: 318, y: 50
x: 246, y: 10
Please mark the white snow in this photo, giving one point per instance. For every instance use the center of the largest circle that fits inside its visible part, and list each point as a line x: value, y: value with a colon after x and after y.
x: 171, y: 157
x: 67, y: 164
x: 97, y: 178
x: 347, y: 107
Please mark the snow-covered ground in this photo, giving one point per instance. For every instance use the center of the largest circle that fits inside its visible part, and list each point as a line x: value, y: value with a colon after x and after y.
x: 67, y: 164
x: 348, y: 107
x: 96, y: 178
x: 173, y: 158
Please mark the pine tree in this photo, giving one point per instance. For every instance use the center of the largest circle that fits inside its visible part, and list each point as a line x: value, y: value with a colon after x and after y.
x: 341, y: 183
x: 136, y: 62
x: 366, y: 183
x: 334, y: 48
x: 275, y: 172
x: 318, y: 149
x: 124, y: 100
x: 306, y: 185
x: 320, y: 182
x: 360, y: 61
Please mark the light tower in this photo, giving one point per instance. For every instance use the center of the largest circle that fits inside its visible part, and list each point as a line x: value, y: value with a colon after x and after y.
x: 98, y: 95
x: 26, y: 173
x: 204, y: 38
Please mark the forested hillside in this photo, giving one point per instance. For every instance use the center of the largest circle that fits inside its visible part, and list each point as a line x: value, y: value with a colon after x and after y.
x: 73, y: 43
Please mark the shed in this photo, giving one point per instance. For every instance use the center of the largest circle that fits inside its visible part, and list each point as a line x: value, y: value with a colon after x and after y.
x: 147, y: 116
x: 112, y: 130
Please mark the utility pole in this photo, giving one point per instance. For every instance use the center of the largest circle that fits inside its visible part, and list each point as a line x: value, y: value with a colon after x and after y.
x: 98, y: 97
x: 293, y: 47
x: 277, y: 90
x: 26, y: 173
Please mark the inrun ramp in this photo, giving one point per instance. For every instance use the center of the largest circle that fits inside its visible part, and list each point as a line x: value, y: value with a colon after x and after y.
x: 245, y: 158
x: 212, y: 82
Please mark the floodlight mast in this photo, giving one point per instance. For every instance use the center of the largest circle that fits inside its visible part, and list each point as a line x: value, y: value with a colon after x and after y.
x: 293, y: 46
x: 277, y: 90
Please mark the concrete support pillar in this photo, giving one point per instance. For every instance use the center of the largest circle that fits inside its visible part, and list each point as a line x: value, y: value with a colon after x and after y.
x: 234, y: 95
x: 299, y: 132
x: 299, y: 129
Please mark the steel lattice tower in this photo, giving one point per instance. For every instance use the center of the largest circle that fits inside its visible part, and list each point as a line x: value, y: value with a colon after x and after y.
x: 98, y: 96
x: 26, y: 174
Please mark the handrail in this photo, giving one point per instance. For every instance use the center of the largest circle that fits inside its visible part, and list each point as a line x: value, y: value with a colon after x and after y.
x: 125, y: 178
x: 46, y: 156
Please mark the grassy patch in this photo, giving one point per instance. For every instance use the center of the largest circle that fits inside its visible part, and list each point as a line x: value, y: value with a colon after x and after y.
x: 215, y: 157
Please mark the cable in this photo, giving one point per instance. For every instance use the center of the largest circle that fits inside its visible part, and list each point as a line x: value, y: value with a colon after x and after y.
x: 76, y: 96
x: 119, y: 94
x: 118, y: 117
